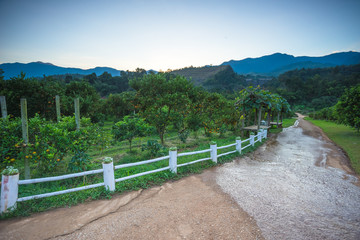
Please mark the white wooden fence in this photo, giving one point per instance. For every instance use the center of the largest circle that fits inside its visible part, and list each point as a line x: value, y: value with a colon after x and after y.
x: 9, y: 186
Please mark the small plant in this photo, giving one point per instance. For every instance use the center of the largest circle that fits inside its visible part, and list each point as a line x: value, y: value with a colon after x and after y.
x: 153, y: 146
x: 107, y: 160
x: 223, y: 129
x: 173, y: 148
x: 212, y: 143
x: 183, y: 135
x: 10, y: 170
x: 238, y: 138
x: 79, y: 162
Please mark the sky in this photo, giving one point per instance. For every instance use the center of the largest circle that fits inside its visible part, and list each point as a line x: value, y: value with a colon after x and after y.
x: 172, y: 34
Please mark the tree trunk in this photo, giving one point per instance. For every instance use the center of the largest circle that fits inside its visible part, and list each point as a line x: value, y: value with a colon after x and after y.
x: 255, y: 118
x: 269, y: 113
x: 162, y: 138
x: 259, y: 119
x: 242, y: 127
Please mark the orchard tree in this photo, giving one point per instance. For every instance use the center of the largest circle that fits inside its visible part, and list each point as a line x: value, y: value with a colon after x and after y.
x: 120, y: 105
x: 129, y: 128
x: 159, y: 97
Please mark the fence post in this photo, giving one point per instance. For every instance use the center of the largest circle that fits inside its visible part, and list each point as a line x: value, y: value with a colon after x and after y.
x: 3, y: 107
x: 77, y: 113
x: 57, y: 104
x: 173, y: 159
x: 25, y: 135
x: 238, y: 144
x: 260, y: 134
x: 252, y: 141
x: 109, y: 178
x: 265, y: 133
x: 9, y: 192
x: 213, y: 152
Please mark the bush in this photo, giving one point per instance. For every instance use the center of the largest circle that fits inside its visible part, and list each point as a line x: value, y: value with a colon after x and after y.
x: 154, y: 147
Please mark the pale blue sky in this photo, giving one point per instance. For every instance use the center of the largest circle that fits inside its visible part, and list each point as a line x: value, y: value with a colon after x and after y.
x: 163, y: 34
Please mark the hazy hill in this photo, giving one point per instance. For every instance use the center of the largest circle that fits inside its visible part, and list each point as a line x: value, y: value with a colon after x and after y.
x: 278, y: 63
x: 199, y: 75
x: 39, y: 69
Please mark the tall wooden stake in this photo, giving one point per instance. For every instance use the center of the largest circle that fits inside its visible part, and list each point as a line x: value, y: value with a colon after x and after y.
x: 259, y: 119
x: 3, y: 107
x: 57, y: 103
x: 77, y: 113
x: 25, y: 135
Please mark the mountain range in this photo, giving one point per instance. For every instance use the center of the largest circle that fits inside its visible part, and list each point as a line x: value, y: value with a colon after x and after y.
x: 275, y: 64
x: 39, y: 69
x: 270, y: 65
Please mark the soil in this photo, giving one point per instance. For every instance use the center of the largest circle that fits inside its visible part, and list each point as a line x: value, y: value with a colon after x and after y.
x: 191, y: 208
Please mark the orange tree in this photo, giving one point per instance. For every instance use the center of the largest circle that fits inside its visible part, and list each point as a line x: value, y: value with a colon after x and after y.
x: 49, y: 143
x: 161, y: 98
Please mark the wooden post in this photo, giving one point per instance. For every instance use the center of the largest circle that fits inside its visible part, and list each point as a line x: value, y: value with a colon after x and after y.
x: 242, y: 126
x: 57, y: 103
x: 277, y: 121
x: 3, y: 107
x: 259, y: 119
x: 25, y: 135
x: 77, y: 113
x: 269, y: 113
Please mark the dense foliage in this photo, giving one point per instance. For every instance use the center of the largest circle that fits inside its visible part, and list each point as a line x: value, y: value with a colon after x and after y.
x: 346, y: 111
x: 49, y: 143
x: 315, y: 89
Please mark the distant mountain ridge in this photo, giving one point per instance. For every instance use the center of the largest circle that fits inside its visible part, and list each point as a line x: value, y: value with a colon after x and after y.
x: 278, y: 63
x: 199, y: 75
x: 39, y: 69
x: 270, y: 65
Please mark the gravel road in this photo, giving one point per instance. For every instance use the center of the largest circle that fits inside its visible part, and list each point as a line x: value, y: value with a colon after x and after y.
x: 292, y: 192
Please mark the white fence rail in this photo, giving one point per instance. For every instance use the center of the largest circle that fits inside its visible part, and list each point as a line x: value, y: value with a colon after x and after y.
x: 9, y: 186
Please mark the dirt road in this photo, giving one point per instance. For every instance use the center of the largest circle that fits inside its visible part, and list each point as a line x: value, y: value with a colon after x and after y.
x: 192, y: 208
x: 196, y: 207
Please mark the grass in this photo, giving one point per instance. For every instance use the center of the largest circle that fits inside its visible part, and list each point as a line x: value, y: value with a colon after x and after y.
x: 345, y: 137
x: 121, y: 154
x: 287, y: 122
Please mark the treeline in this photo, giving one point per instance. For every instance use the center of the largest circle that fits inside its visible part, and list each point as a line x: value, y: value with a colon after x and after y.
x: 105, y: 84
x: 314, y: 89
x: 346, y: 111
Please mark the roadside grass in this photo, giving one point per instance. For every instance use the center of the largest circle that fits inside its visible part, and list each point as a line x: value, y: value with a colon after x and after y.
x: 345, y: 137
x: 121, y: 154
x: 287, y: 122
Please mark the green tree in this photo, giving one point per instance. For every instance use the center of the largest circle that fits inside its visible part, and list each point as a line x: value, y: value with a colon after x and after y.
x: 129, y: 128
x: 160, y: 98
x: 120, y: 105
x: 348, y: 107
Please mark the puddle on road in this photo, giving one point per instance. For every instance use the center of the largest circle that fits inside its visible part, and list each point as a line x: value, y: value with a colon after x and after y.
x: 290, y: 197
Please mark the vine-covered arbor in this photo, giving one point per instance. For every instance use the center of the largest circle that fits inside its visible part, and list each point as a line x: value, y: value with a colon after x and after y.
x: 254, y: 100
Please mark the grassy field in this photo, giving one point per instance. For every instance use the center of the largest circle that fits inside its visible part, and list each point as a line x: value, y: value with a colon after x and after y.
x: 345, y: 137
x: 287, y: 122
